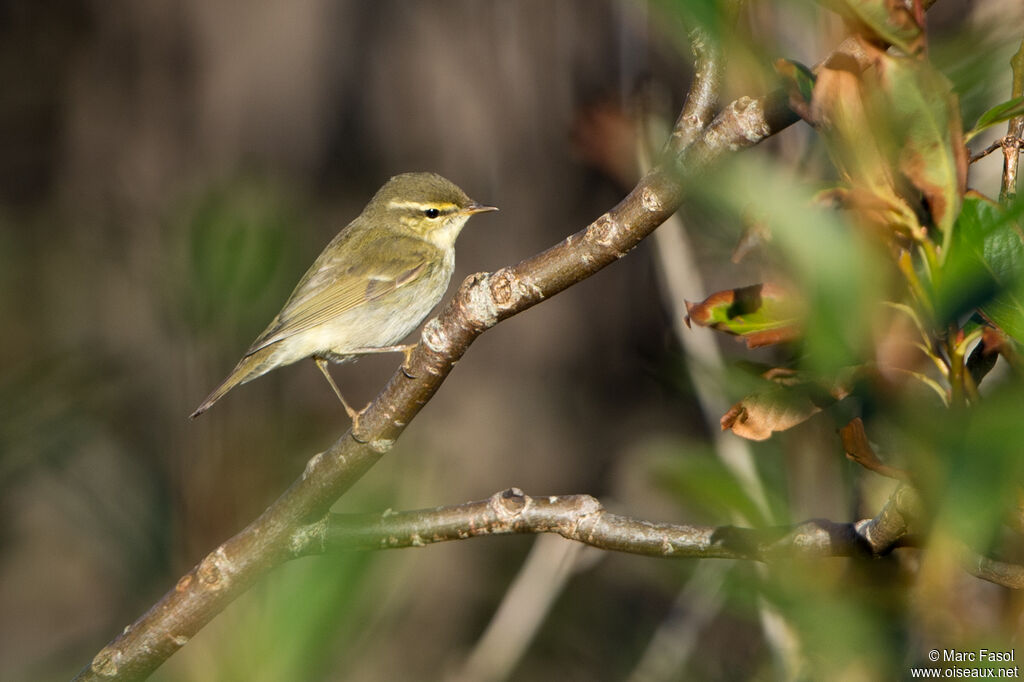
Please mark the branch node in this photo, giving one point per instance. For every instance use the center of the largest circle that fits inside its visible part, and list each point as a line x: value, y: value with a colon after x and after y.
x: 479, y: 300
x: 312, y: 464
x: 214, y: 572
x: 603, y: 233
x: 306, y: 537
x: 381, y: 445
x: 510, y: 503
x: 650, y: 200
x: 741, y: 124
x: 107, y: 662
x: 434, y: 336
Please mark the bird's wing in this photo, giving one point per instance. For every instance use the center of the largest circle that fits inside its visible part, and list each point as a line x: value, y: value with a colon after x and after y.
x: 339, y: 282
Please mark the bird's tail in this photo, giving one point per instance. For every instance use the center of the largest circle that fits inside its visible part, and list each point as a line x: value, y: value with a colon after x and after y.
x: 247, y: 369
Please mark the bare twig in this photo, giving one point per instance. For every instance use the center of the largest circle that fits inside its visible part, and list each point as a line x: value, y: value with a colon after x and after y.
x: 986, y: 151
x: 543, y: 576
x: 1014, y: 139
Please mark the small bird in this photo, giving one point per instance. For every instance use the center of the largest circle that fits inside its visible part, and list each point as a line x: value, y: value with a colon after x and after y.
x: 372, y: 285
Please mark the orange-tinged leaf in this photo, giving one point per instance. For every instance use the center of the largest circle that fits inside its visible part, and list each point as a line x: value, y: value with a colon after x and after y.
x: 838, y: 106
x: 888, y: 21
x: 859, y: 450
x: 888, y: 216
x: 758, y: 416
x: 926, y: 118
x: 761, y: 314
x: 862, y: 146
x: 794, y: 398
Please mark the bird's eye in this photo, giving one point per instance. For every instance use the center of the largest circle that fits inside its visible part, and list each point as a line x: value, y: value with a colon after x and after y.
x: 431, y: 213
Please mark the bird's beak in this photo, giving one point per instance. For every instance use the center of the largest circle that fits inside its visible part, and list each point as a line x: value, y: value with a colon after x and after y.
x: 478, y: 208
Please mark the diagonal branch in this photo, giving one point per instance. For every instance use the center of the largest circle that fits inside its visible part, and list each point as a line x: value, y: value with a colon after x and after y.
x: 481, y: 302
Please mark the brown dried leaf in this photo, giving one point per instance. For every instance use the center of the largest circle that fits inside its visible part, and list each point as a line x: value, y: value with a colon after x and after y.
x: 758, y: 416
x: 858, y: 449
x: 796, y: 398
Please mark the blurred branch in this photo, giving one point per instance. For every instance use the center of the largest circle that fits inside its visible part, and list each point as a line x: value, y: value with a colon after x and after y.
x: 482, y: 301
x: 998, y: 572
x: 524, y: 607
x: 705, y: 89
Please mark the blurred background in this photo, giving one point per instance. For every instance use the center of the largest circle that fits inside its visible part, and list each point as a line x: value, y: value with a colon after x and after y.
x: 170, y: 169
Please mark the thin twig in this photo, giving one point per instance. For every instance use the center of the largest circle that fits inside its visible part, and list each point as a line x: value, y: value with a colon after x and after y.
x: 986, y: 151
x: 1014, y: 139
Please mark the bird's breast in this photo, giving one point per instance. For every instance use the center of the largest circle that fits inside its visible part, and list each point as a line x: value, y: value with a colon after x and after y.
x: 388, y: 319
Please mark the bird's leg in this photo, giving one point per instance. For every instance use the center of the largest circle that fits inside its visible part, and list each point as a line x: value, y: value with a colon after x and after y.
x: 352, y: 414
x: 405, y: 349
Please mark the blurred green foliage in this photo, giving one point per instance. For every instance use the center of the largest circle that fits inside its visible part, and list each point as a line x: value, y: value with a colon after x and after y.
x: 985, y: 266
x: 243, y: 248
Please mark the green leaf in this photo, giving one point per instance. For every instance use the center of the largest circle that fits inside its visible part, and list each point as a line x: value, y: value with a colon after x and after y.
x: 762, y: 314
x: 926, y: 119
x: 799, y: 81
x: 241, y: 254
x: 838, y: 276
x: 886, y: 20
x: 997, y: 114
x: 985, y: 267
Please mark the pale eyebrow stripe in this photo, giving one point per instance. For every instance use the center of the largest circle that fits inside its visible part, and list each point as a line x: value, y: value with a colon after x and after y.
x: 443, y: 206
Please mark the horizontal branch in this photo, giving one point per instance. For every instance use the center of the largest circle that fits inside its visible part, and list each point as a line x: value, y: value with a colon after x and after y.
x: 584, y: 519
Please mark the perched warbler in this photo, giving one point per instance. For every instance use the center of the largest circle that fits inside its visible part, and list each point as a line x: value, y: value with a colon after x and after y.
x: 372, y: 285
